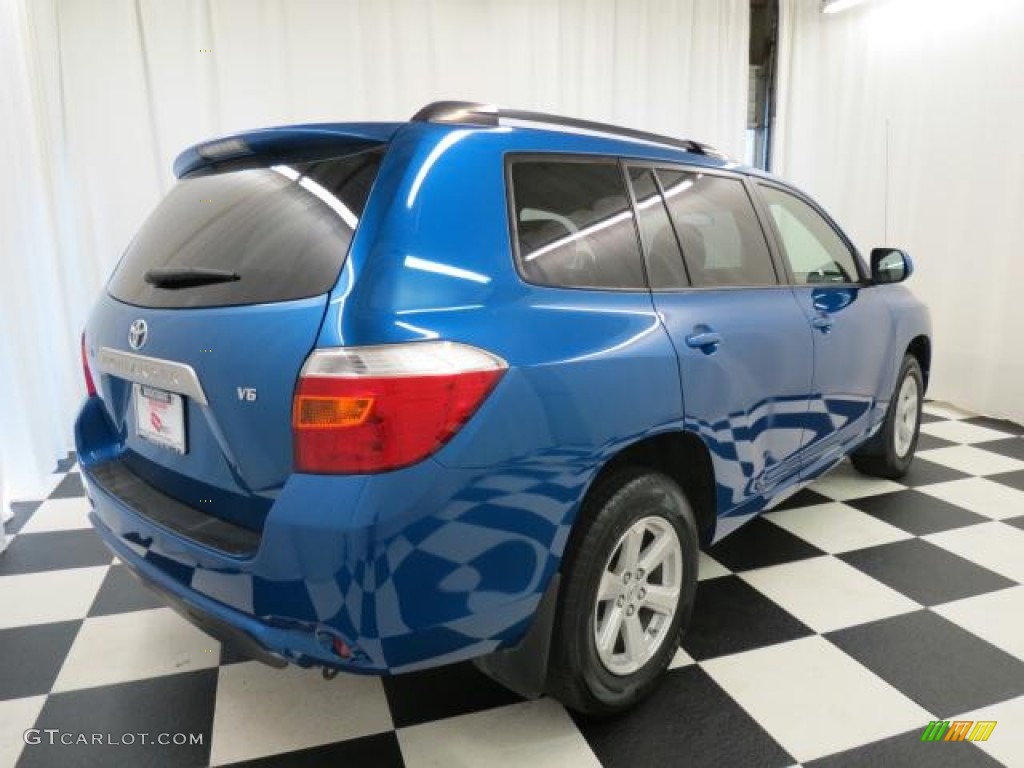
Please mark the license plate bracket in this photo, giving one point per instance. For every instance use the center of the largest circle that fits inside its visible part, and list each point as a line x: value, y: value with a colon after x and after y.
x: 160, y: 417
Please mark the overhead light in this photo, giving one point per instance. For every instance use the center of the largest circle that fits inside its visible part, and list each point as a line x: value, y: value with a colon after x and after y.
x: 837, y: 6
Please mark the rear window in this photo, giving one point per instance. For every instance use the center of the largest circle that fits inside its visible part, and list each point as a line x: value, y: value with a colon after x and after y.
x: 722, y: 240
x: 282, y: 231
x: 574, y: 224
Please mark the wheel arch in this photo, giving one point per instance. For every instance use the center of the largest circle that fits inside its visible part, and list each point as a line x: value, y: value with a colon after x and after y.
x: 684, y: 457
x: 921, y: 348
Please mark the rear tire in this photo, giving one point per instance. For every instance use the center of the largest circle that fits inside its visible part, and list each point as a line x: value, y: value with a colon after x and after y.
x: 889, y: 453
x: 629, y: 580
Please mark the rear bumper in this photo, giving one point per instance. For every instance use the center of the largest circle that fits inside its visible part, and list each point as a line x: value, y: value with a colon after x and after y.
x: 415, y: 568
x: 233, y: 629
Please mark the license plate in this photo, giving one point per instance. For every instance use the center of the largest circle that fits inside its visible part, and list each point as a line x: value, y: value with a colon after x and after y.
x: 160, y: 417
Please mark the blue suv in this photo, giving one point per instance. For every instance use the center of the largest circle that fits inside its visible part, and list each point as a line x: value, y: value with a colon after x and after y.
x: 377, y: 397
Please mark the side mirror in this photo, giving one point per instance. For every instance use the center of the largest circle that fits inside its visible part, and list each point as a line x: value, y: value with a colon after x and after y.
x: 890, y: 265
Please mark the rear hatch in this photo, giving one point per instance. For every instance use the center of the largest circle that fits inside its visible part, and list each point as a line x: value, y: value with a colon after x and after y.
x: 209, y: 318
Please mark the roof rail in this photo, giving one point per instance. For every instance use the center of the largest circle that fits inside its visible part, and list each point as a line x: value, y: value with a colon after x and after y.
x: 473, y: 113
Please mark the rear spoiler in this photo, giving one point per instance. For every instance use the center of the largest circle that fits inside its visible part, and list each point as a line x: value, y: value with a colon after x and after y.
x: 292, y: 143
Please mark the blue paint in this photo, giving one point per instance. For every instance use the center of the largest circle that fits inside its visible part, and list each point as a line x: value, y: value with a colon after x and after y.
x: 447, y: 559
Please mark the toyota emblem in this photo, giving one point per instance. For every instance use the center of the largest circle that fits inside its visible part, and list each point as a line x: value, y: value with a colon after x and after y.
x: 137, y: 334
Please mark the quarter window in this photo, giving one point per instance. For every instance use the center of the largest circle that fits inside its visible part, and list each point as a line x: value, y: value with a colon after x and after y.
x: 815, y: 252
x: 574, y: 224
x: 722, y: 240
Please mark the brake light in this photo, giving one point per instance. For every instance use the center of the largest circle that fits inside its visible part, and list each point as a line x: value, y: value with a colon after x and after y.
x: 372, y: 409
x: 90, y: 386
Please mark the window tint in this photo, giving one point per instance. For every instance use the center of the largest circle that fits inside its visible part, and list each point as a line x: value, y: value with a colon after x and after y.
x: 284, y: 230
x: 815, y: 252
x: 574, y: 224
x: 665, y: 267
x: 722, y: 240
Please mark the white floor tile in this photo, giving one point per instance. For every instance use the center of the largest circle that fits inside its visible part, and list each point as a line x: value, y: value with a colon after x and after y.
x: 813, y: 698
x: 996, y: 546
x: 844, y: 482
x: 837, y: 527
x: 709, y: 568
x: 1006, y: 743
x: 997, y: 617
x: 133, y: 646
x: 961, y: 432
x: 41, y: 598
x: 265, y: 711
x: 680, y: 659
x: 16, y: 717
x: 973, y: 461
x: 947, y: 411
x: 977, y: 494
x: 59, y: 515
x: 827, y: 594
x: 537, y: 733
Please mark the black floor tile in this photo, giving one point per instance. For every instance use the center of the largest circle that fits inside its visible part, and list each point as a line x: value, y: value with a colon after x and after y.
x: 926, y: 442
x: 170, y: 704
x: 804, y: 498
x: 907, y: 751
x: 924, y: 572
x: 63, y: 465
x: 458, y: 689
x: 924, y: 472
x: 1000, y: 424
x: 380, y: 750
x: 22, y: 511
x: 945, y: 669
x: 34, y: 552
x: 1013, y: 479
x: 1013, y: 447
x: 689, y: 720
x: 68, y: 488
x: 31, y: 657
x: 121, y: 592
x: 928, y: 418
x: 731, y: 616
x: 916, y: 512
x: 761, y: 543
x: 1016, y: 521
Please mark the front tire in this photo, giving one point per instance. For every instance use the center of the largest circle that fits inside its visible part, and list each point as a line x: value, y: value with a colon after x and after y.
x: 889, y: 453
x: 628, y: 587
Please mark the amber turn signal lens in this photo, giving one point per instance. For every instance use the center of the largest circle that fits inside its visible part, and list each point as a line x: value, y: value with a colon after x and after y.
x: 332, y: 412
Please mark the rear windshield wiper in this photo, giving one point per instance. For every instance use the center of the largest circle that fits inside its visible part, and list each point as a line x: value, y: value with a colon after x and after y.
x: 188, y: 277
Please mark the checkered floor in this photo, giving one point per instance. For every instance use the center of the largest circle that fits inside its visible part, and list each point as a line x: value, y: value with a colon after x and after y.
x: 827, y: 633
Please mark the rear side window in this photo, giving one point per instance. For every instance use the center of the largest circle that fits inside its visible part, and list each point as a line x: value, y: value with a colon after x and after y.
x: 574, y: 224
x: 282, y: 231
x: 664, y: 260
x: 723, y: 244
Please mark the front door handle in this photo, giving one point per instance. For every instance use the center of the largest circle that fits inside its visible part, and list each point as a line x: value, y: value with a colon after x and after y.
x: 823, y: 321
x: 704, y: 338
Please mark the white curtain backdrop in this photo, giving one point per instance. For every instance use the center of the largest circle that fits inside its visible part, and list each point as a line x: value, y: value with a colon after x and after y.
x: 98, y: 98
x: 904, y: 118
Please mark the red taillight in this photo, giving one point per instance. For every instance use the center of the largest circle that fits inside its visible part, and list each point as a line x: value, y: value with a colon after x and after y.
x: 90, y: 386
x: 371, y: 409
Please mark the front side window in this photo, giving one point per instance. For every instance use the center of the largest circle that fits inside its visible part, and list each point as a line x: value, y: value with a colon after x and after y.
x: 574, y: 224
x: 815, y: 252
x: 723, y: 244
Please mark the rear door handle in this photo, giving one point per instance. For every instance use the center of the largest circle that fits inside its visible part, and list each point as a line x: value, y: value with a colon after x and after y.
x: 823, y: 322
x: 704, y: 339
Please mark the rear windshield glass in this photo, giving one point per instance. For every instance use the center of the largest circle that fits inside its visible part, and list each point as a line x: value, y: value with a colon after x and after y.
x: 269, y: 234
